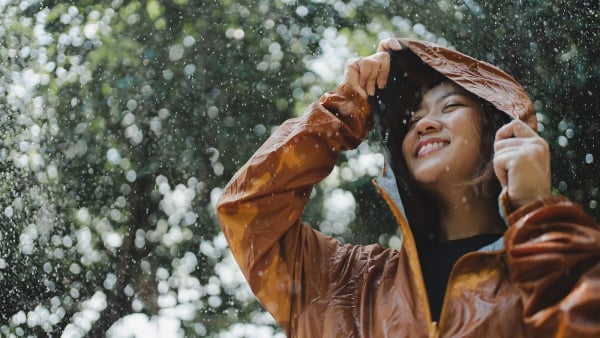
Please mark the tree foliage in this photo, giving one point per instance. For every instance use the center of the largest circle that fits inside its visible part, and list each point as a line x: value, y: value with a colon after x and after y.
x: 122, y: 120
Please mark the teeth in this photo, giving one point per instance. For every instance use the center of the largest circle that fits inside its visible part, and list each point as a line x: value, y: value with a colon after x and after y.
x: 431, y: 146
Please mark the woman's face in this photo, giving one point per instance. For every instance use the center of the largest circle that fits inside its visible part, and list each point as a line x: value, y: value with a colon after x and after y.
x: 443, y: 143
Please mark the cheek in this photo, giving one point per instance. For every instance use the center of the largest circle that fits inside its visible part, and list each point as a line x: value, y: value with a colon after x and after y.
x: 467, y: 125
x: 474, y: 133
x: 472, y: 142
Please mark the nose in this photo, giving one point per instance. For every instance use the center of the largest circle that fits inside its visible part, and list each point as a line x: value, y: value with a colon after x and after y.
x: 427, y: 125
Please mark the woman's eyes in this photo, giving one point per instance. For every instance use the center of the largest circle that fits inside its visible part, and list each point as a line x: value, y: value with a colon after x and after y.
x: 413, y: 120
x: 451, y: 106
x: 448, y: 108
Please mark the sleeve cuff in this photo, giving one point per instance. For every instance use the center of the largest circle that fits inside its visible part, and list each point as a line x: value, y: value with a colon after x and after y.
x: 510, y: 215
x: 504, y: 208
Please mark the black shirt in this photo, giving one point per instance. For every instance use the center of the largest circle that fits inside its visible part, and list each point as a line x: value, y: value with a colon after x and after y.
x: 437, y: 260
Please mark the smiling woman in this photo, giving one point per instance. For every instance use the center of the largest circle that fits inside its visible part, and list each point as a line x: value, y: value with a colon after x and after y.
x: 448, y: 121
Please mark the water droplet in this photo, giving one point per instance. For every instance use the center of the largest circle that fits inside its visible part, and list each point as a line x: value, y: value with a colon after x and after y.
x: 589, y: 158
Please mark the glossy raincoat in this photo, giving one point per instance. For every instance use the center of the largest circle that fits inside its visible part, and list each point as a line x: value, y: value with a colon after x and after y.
x: 542, y: 279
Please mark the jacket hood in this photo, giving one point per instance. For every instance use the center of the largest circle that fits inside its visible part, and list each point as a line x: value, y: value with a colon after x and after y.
x: 419, y: 64
x: 424, y: 63
x: 478, y: 77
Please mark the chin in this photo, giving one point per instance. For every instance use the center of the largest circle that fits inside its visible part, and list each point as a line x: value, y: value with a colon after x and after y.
x: 428, y: 175
x: 426, y: 180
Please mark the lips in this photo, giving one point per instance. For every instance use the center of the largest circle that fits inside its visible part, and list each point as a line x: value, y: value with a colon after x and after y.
x: 428, y: 146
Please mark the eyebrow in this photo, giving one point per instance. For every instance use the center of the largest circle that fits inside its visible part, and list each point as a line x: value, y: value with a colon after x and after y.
x: 446, y: 95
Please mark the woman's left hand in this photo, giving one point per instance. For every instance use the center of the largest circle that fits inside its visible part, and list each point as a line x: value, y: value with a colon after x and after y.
x: 522, y: 163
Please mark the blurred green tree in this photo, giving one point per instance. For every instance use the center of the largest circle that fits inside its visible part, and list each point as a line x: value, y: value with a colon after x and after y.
x: 122, y: 120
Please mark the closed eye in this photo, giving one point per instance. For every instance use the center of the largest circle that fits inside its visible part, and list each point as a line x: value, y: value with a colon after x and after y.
x: 413, y: 120
x: 451, y: 107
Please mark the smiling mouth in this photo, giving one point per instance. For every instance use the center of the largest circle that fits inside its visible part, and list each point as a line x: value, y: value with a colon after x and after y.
x: 430, y: 148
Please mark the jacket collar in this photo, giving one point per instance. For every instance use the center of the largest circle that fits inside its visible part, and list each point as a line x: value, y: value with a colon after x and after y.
x: 387, y: 182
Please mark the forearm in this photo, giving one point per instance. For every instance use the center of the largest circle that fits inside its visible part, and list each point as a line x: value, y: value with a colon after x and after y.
x: 267, y: 195
x: 553, y: 251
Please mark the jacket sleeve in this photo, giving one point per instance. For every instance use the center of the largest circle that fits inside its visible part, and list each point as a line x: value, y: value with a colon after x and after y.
x: 553, y: 251
x: 260, y: 207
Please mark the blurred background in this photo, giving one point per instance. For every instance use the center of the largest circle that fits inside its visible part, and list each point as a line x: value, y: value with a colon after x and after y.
x: 121, y: 121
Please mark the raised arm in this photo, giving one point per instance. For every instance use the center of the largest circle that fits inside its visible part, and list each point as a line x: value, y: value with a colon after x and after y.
x: 552, y: 246
x: 260, y: 208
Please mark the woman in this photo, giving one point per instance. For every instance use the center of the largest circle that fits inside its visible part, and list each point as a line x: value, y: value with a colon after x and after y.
x: 456, y: 130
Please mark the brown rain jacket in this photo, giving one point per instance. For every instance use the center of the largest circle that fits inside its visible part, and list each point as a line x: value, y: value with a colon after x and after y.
x: 542, y: 280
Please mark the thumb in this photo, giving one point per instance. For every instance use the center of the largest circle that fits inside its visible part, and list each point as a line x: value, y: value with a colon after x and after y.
x: 352, y: 76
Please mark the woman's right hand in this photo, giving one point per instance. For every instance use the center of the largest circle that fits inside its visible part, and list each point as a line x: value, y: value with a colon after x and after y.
x: 363, y: 74
x: 389, y: 43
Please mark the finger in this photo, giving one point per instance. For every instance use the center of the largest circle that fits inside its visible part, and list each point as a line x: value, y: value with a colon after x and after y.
x: 506, y: 131
x: 368, y: 66
x: 352, y: 76
x: 528, y: 149
x: 515, y: 128
x: 352, y: 72
x: 389, y: 43
x: 372, y: 80
x: 384, y: 71
x: 501, y: 169
x: 522, y: 129
x: 508, y: 143
x: 523, y: 144
x: 371, y: 71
